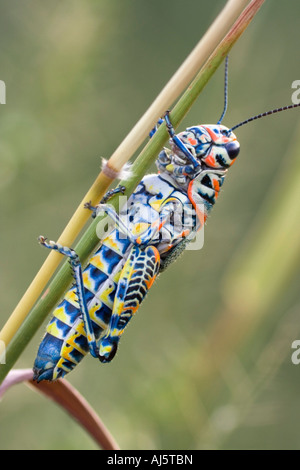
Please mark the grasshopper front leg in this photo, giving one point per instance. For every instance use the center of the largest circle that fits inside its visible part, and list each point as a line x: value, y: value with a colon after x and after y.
x: 106, y: 197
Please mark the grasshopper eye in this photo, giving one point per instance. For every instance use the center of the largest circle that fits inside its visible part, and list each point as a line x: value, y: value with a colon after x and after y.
x: 233, y: 149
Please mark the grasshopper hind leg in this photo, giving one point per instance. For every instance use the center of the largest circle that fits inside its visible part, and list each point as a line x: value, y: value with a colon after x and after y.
x: 137, y: 277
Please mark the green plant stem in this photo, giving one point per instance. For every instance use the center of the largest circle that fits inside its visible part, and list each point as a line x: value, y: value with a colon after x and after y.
x: 90, y: 240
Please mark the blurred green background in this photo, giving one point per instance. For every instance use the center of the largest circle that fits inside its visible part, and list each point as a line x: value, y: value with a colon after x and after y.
x: 79, y: 75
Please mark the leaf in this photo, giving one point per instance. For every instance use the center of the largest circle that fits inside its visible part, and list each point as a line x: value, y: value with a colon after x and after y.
x: 65, y: 395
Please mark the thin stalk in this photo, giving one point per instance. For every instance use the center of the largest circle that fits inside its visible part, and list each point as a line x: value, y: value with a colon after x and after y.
x: 90, y: 240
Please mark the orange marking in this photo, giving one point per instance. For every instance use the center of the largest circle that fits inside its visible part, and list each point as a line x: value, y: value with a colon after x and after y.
x: 210, y: 160
x: 212, y: 134
x: 201, y: 216
x: 192, y: 141
x: 150, y: 282
x: 185, y: 233
x: 132, y: 309
x: 156, y: 252
x: 162, y: 224
x: 216, y: 185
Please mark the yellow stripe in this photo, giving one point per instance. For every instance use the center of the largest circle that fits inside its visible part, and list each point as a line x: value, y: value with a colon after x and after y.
x: 61, y: 315
x: 71, y: 297
x: 61, y: 365
x: 54, y: 331
x: 74, y: 345
x: 80, y: 328
x: 97, y: 262
x: 65, y: 353
x: 104, y: 297
x: 111, y: 243
x: 88, y: 283
x: 140, y: 227
x: 92, y: 311
x: 116, y: 276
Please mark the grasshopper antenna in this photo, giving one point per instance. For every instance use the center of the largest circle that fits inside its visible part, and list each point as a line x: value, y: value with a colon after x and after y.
x: 225, y: 91
x: 267, y: 113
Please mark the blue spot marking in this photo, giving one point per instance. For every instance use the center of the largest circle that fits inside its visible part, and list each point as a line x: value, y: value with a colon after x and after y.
x: 123, y: 242
x: 97, y: 276
x: 75, y: 355
x: 88, y: 295
x: 104, y: 313
x: 82, y: 343
x: 110, y: 257
x: 71, y: 311
x: 63, y: 327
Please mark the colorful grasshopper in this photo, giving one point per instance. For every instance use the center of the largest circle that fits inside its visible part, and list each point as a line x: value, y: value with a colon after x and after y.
x: 154, y: 227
